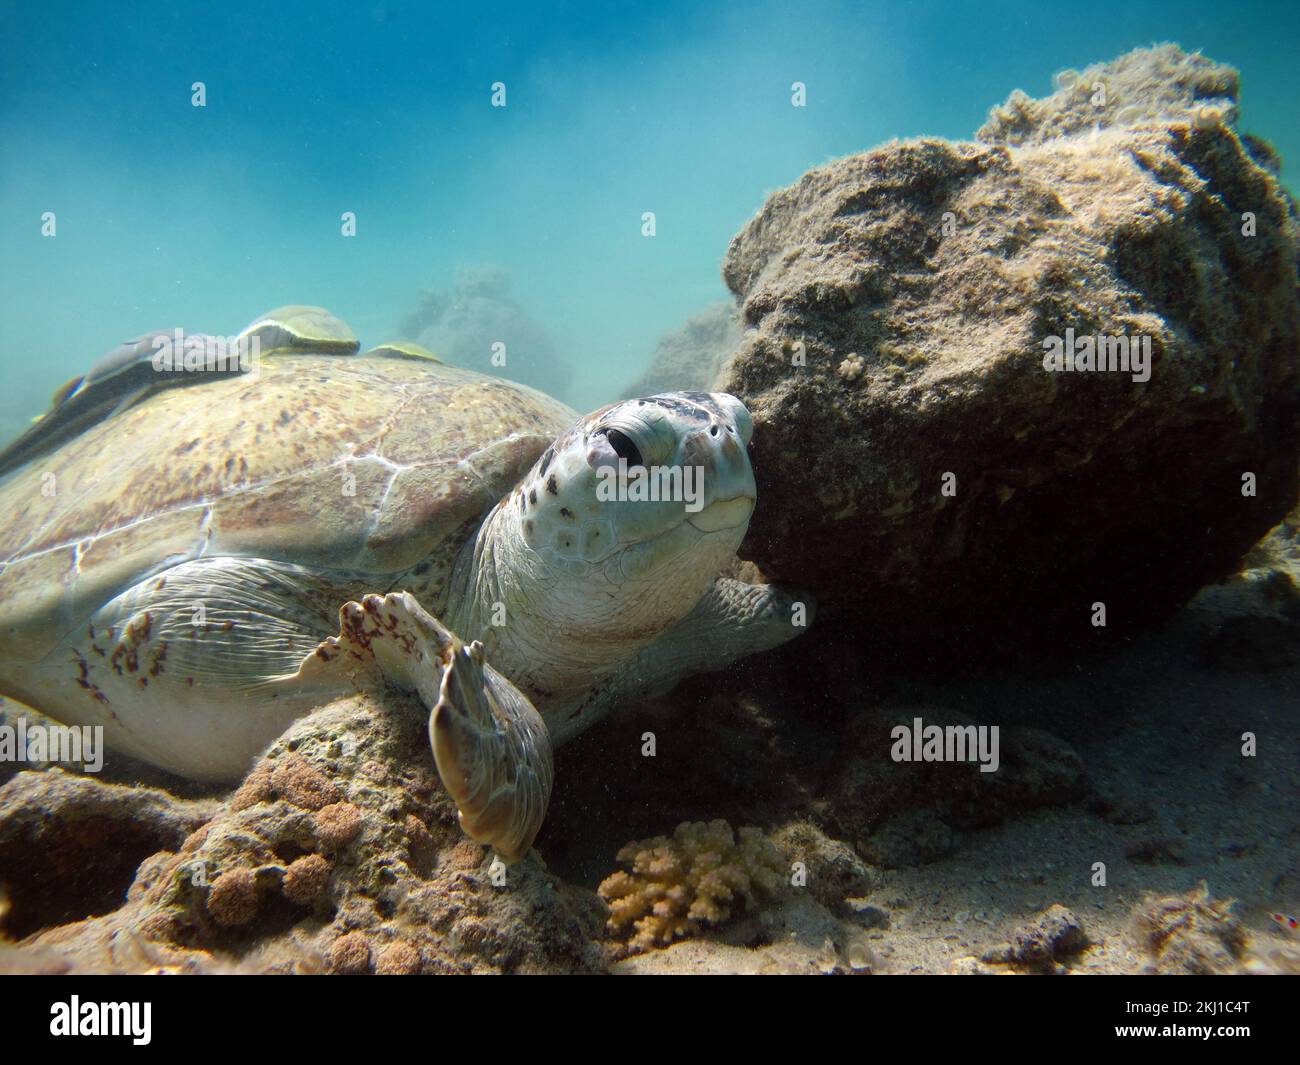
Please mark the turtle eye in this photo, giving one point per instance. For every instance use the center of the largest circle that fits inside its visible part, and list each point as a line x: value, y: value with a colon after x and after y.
x: 623, y: 447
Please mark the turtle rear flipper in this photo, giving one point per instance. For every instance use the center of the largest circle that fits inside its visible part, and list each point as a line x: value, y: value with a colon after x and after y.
x: 491, y: 747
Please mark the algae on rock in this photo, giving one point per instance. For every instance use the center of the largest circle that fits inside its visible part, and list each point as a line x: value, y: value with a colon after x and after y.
x: 911, y: 445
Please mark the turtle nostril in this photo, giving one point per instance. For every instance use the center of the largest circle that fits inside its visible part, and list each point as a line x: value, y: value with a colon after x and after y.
x: 713, y: 429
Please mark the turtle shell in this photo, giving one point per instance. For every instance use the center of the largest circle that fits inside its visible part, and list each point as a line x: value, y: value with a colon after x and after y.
x: 365, y: 466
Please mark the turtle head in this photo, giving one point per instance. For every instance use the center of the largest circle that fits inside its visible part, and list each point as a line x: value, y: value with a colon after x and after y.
x: 639, y: 505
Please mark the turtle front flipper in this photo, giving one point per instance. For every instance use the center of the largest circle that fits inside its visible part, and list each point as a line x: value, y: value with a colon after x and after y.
x: 493, y: 753
x: 490, y: 744
x: 731, y: 621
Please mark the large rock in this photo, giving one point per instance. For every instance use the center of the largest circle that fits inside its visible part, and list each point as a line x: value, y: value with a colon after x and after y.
x: 70, y: 844
x: 896, y: 306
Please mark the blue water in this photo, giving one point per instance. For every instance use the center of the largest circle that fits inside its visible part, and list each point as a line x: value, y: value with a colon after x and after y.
x: 169, y: 214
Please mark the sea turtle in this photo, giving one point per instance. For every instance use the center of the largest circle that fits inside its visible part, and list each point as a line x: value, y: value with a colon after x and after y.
x: 217, y: 553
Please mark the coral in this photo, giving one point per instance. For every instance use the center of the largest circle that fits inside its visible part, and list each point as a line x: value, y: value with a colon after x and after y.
x: 311, y: 865
x: 232, y: 901
x: 306, y: 879
x: 398, y: 959
x: 790, y: 934
x: 852, y: 367
x: 296, y: 782
x: 350, y: 954
x: 337, y: 825
x: 1192, y: 933
x: 1043, y: 943
x: 419, y: 843
x: 256, y: 788
x: 678, y: 885
x: 834, y: 873
x: 194, y: 840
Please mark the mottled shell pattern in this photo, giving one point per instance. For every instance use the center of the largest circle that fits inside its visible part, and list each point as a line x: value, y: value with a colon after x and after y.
x: 378, y: 465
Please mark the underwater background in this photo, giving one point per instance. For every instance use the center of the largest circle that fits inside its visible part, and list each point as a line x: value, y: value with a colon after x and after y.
x: 528, y: 221
x: 203, y: 217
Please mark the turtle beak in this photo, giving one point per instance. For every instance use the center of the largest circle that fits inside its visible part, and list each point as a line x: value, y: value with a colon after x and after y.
x: 725, y: 514
x: 718, y: 448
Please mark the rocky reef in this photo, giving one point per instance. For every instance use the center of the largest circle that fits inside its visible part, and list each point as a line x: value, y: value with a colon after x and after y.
x: 338, y: 853
x: 70, y: 844
x: 1190, y: 934
x: 463, y: 325
x: 922, y: 436
x: 942, y: 491
x: 691, y: 357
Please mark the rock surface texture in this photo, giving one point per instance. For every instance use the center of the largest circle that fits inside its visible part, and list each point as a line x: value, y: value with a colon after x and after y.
x: 923, y: 470
x: 338, y: 853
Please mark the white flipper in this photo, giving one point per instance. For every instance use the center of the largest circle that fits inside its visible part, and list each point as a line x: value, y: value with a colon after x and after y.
x: 731, y: 621
x: 186, y: 669
x: 199, y: 668
x: 490, y: 744
x: 493, y: 753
